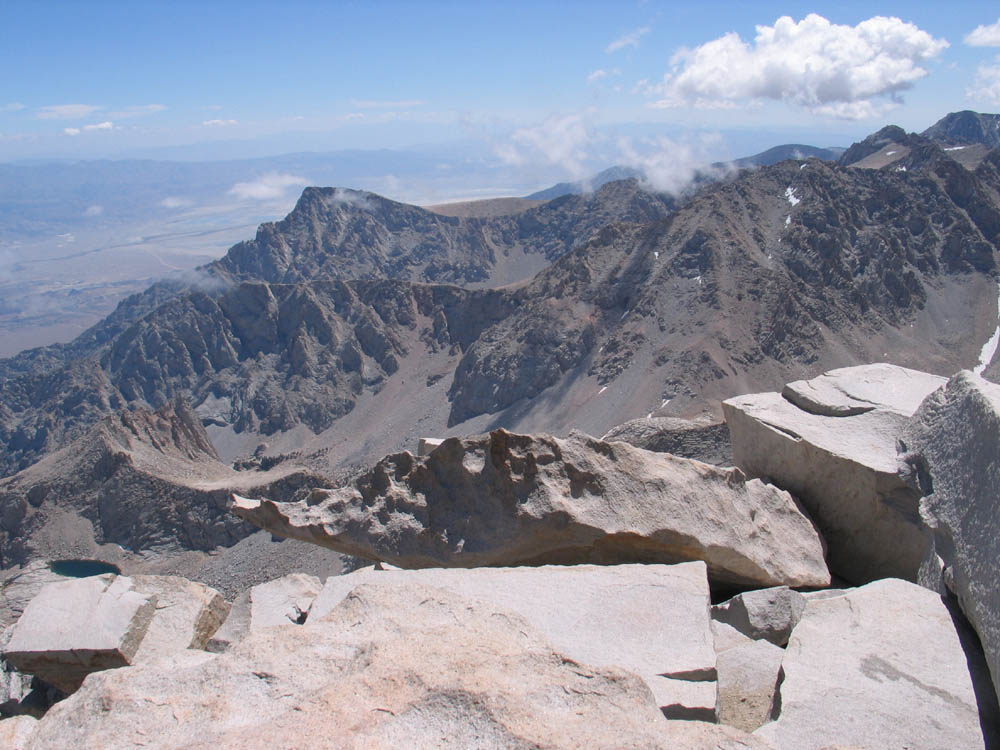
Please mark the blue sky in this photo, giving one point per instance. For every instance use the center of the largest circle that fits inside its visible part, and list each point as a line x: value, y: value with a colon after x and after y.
x: 567, y: 83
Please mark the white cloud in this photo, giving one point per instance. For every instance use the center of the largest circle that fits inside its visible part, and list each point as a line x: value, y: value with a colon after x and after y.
x: 12, y: 107
x: 174, y: 202
x: 94, y: 210
x: 669, y: 166
x: 984, y: 36
x: 631, y: 39
x: 268, y: 187
x: 137, y: 110
x: 830, y: 69
x: 386, y: 104
x: 66, y: 111
x: 107, y: 125
x: 987, y: 83
x: 559, y: 140
x: 219, y: 123
x: 356, y: 198
x: 602, y: 73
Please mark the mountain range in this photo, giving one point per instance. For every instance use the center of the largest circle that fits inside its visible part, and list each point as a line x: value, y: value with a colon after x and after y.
x: 358, y: 324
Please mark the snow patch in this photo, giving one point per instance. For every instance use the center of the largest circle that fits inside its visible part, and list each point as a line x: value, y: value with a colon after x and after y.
x: 603, y: 389
x: 802, y: 166
x: 901, y: 169
x: 956, y: 148
x: 656, y: 253
x: 989, y: 349
x: 788, y: 220
x: 665, y: 402
x: 623, y: 315
x: 889, y: 153
x: 649, y: 416
x: 790, y: 194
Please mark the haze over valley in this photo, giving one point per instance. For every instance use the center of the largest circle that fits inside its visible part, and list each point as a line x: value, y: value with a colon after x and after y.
x: 397, y: 375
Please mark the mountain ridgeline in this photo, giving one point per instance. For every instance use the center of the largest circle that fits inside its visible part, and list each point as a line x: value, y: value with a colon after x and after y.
x: 357, y: 319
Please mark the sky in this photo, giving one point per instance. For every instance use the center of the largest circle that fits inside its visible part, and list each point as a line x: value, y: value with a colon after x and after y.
x: 564, y: 84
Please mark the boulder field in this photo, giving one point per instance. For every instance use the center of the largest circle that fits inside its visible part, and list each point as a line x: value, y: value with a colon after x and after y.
x: 531, y: 591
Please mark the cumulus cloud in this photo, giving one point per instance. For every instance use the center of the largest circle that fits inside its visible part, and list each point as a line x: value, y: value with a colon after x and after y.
x: 66, y: 111
x: 631, y: 39
x: 268, y: 187
x: 669, y: 166
x: 172, y: 201
x: 107, y: 125
x: 984, y: 36
x: 560, y: 140
x: 850, y: 72
x: 987, y: 83
x: 94, y: 210
x: 219, y: 123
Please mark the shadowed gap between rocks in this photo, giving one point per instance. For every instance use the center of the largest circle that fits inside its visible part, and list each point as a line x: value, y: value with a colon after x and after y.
x: 982, y: 685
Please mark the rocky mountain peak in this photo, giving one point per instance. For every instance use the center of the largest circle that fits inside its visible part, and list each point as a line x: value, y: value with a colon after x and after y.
x: 966, y: 127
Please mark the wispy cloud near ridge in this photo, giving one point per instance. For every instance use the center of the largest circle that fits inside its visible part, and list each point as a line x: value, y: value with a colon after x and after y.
x: 631, y: 39
x: 270, y: 186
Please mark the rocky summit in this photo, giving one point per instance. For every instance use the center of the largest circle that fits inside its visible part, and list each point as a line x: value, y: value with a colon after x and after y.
x: 347, y: 488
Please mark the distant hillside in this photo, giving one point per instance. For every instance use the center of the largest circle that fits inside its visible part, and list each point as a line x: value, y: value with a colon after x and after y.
x: 618, y: 172
x: 327, y: 336
x: 786, y: 151
x: 966, y: 127
x: 585, y: 186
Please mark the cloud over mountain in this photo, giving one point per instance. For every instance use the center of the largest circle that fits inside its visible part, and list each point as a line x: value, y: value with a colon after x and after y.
x: 559, y: 140
x: 827, y: 68
x: 267, y: 187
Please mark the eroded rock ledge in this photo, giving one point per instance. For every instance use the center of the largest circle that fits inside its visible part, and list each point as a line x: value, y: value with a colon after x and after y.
x: 507, y: 499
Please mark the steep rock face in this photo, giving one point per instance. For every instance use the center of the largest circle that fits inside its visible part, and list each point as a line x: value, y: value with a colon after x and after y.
x: 772, y: 274
x: 781, y: 269
x: 139, y: 479
x: 891, y: 135
x: 506, y: 499
x: 966, y: 127
x: 832, y: 442
x: 952, y: 447
x: 274, y: 356
x: 335, y: 233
